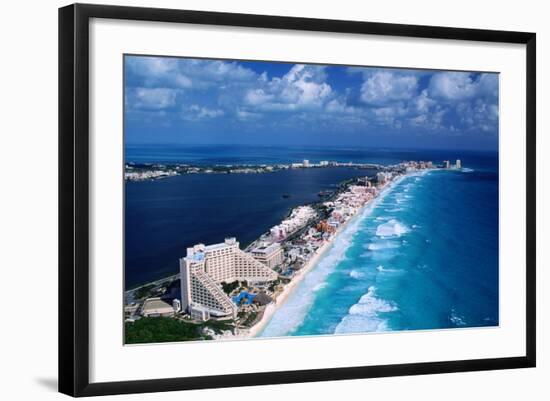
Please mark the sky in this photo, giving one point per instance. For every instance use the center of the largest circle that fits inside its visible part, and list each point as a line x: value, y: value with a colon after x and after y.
x: 170, y: 100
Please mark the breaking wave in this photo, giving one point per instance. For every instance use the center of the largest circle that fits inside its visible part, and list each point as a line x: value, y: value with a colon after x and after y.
x: 356, y: 274
x: 456, y: 319
x: 319, y: 286
x: 364, y: 316
x: 290, y: 315
x: 383, y: 269
x: 392, y: 228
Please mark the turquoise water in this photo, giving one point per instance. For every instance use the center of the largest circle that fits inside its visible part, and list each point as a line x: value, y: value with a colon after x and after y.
x: 433, y: 265
x: 423, y: 255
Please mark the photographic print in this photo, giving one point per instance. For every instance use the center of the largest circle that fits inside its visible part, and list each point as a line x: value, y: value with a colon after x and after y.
x: 271, y: 199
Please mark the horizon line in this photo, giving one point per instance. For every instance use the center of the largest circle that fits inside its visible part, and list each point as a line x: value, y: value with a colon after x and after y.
x: 338, y: 147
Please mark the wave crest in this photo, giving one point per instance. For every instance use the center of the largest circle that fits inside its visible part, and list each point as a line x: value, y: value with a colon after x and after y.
x: 364, y: 315
x: 392, y: 228
x: 356, y: 274
x: 456, y: 319
x: 383, y: 269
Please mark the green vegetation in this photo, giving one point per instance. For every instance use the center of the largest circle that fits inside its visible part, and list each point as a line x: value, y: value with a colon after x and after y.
x: 158, y: 330
x: 274, y: 284
x: 229, y: 287
x: 278, y: 281
x: 219, y: 325
x: 251, y: 318
x: 144, y: 291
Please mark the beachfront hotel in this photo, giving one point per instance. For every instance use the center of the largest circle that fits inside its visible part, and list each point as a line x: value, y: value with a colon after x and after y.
x: 270, y: 255
x: 383, y: 177
x: 206, y: 267
x: 298, y: 218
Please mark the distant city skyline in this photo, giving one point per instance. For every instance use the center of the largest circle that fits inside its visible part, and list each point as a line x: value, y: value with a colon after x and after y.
x: 185, y: 101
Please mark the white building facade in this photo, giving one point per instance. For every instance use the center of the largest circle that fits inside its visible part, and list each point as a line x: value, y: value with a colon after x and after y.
x: 270, y: 255
x: 205, y: 267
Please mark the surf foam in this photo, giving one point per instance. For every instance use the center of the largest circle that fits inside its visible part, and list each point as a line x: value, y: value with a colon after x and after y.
x: 292, y: 313
x: 364, y: 316
x: 392, y: 228
x: 356, y: 274
x: 383, y: 269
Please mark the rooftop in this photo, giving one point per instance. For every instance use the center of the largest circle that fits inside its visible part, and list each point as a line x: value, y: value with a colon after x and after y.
x: 267, y: 248
x: 155, y: 305
x: 197, y: 251
x: 221, y: 245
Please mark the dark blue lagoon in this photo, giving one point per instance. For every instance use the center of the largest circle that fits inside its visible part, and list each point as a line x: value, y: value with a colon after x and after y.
x: 164, y: 217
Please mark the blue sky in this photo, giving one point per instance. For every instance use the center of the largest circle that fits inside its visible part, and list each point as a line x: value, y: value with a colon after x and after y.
x: 191, y: 101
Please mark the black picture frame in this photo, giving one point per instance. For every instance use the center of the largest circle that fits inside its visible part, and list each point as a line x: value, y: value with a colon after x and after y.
x: 74, y: 198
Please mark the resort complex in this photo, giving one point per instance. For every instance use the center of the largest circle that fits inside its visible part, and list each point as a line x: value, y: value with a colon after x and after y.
x: 206, y: 267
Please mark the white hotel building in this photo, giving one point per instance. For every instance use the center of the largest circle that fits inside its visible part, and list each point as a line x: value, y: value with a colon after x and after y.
x: 205, y: 267
x: 271, y: 255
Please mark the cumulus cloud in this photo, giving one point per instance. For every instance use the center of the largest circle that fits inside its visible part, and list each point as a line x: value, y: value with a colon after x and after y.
x: 257, y: 97
x: 422, y: 103
x: 197, y: 113
x: 151, y: 98
x: 384, y: 86
x: 187, y: 73
x: 478, y: 115
x: 244, y: 115
x: 303, y: 87
x: 313, y: 96
x: 452, y: 85
x: 341, y: 106
x: 390, y: 115
x: 471, y: 98
x: 151, y: 66
x: 462, y: 85
x: 447, y: 101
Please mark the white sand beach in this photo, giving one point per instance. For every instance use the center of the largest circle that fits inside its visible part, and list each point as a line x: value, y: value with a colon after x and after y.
x: 310, y: 265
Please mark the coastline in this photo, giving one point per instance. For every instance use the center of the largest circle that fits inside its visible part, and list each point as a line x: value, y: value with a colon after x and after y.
x: 359, y: 207
x: 288, y: 290
x: 272, y: 308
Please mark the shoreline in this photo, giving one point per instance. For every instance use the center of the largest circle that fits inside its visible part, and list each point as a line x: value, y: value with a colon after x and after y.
x: 273, y: 307
x: 144, y: 172
x: 359, y: 204
x: 174, y: 275
x: 288, y: 291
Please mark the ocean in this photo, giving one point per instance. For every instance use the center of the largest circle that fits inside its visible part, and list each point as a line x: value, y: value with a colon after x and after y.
x: 248, y: 154
x: 423, y: 256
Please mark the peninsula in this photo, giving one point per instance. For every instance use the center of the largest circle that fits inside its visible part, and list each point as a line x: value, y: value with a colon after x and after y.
x: 223, y: 292
x: 155, y: 171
